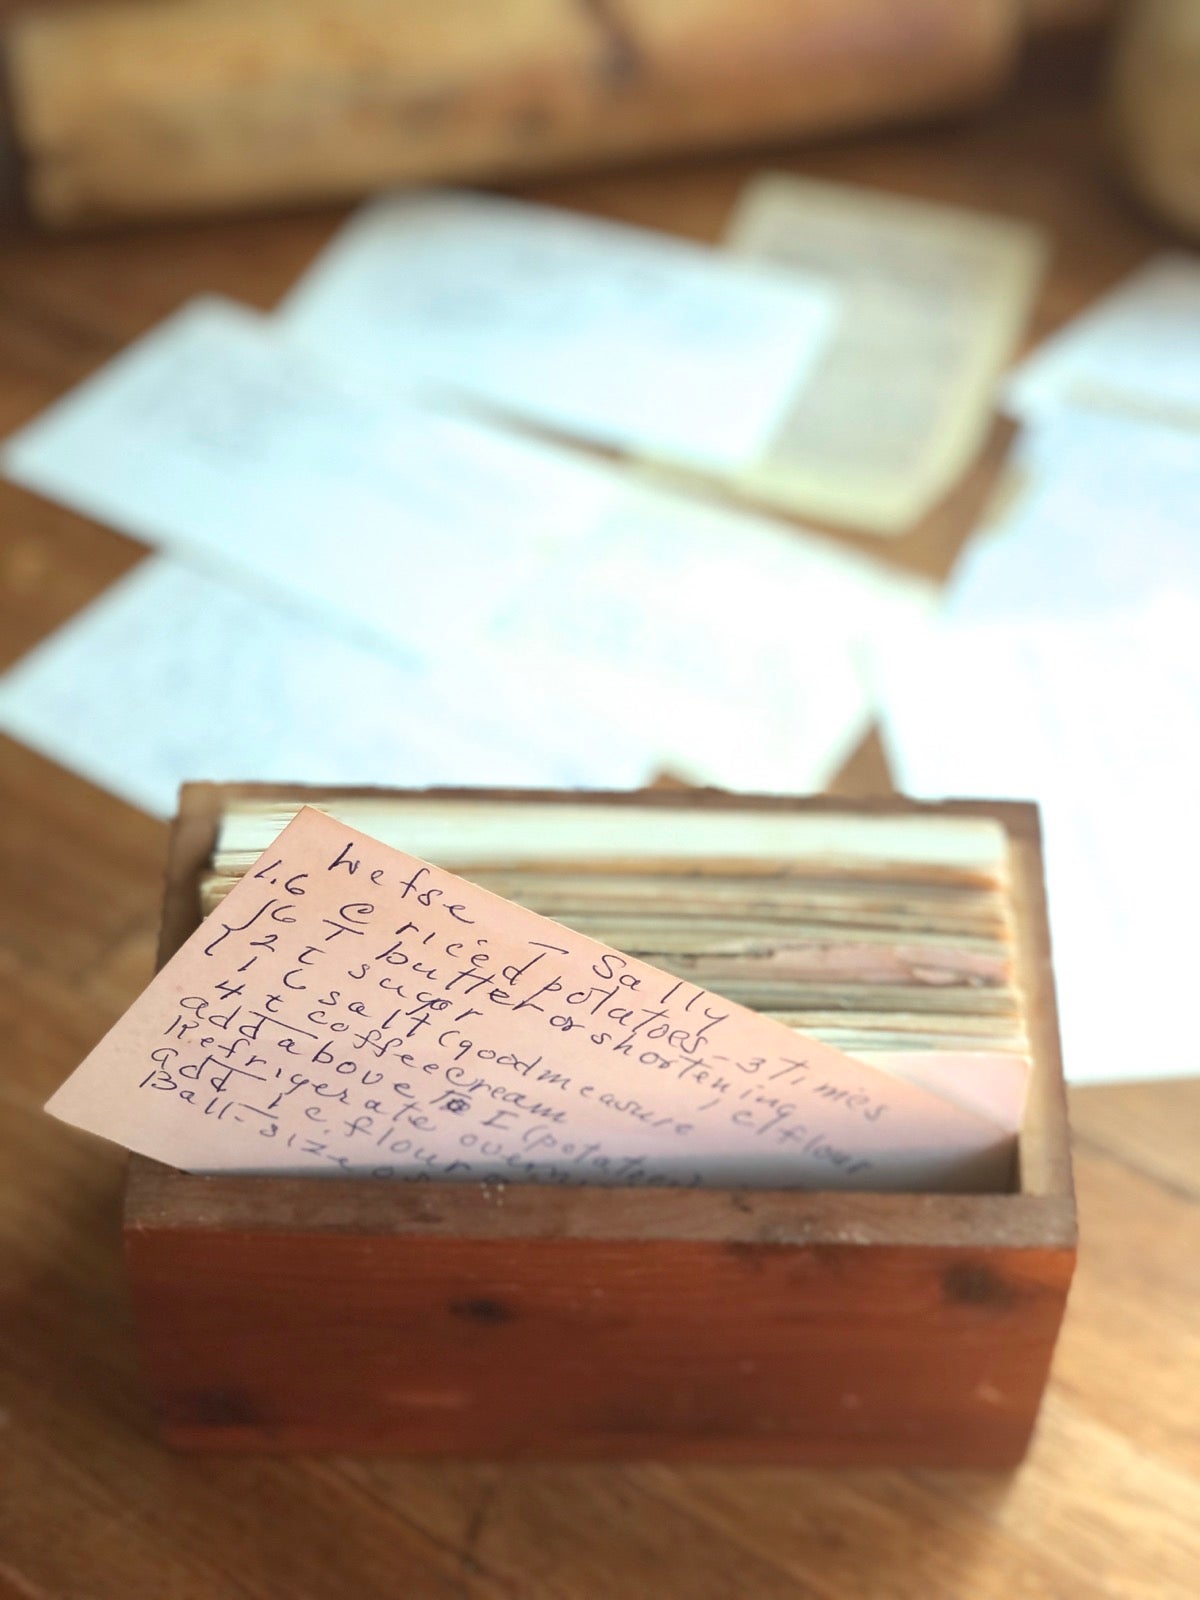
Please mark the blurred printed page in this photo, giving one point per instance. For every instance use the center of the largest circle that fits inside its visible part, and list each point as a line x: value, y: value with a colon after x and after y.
x: 933, y: 301
x: 1137, y: 350
x: 741, y: 643
x: 211, y: 435
x: 1107, y: 521
x: 625, y: 337
x: 173, y: 674
x: 680, y: 636
x: 1096, y: 720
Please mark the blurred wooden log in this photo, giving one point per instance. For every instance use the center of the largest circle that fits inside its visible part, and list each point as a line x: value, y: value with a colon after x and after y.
x: 1155, y: 107
x: 127, y: 110
x: 1050, y: 16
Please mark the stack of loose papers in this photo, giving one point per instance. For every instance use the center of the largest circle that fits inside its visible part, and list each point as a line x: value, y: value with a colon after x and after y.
x: 889, y: 936
x: 1066, y: 668
x: 369, y: 570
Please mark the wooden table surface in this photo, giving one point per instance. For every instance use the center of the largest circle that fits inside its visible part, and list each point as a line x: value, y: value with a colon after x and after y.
x: 1108, y: 1503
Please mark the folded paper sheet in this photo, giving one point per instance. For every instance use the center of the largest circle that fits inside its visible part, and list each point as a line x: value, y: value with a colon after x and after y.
x: 933, y: 299
x: 619, y: 335
x: 348, y: 1008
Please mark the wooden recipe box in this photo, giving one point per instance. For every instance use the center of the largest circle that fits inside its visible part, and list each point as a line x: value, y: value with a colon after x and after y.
x: 540, y: 1321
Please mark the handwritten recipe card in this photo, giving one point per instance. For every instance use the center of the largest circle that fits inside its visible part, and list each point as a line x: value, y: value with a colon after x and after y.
x: 350, y: 1009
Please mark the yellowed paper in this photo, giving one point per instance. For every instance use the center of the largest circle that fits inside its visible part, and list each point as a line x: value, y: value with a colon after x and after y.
x: 933, y: 302
x: 350, y: 1009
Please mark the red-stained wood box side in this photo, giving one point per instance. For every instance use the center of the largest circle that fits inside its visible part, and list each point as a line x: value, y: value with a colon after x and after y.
x: 528, y: 1320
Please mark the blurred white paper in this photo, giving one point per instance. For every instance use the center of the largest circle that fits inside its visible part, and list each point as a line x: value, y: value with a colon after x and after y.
x: 625, y: 337
x: 173, y: 674
x: 1108, y: 521
x: 676, y: 635
x: 1137, y: 349
x: 1099, y: 721
x: 735, y: 645
x: 213, y: 437
x: 900, y: 401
